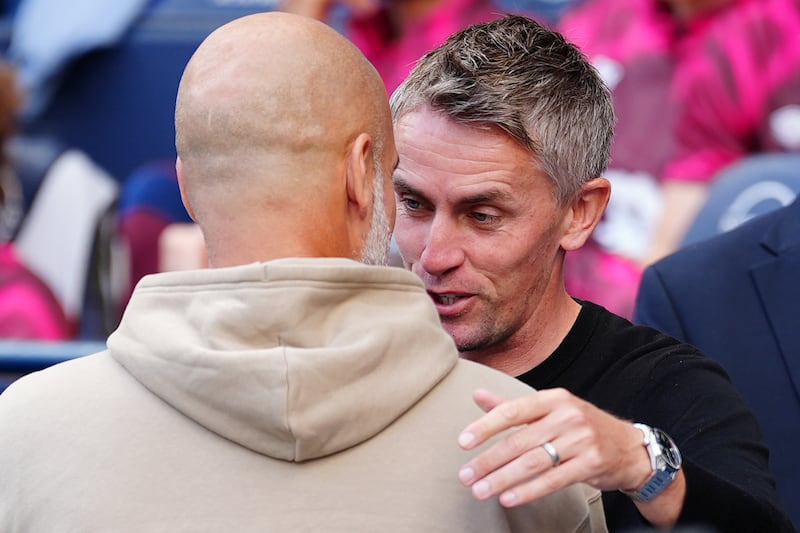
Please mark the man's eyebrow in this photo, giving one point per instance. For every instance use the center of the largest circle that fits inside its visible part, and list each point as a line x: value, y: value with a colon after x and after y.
x: 402, y: 186
x: 492, y: 195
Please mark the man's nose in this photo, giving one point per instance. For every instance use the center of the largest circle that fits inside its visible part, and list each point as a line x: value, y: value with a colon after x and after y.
x: 443, y: 247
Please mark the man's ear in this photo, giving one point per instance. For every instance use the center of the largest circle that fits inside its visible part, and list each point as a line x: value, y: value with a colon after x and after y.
x: 182, y: 186
x: 585, y: 212
x: 360, y: 175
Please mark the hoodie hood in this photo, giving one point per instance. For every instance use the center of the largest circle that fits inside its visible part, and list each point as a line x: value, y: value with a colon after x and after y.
x: 295, y: 358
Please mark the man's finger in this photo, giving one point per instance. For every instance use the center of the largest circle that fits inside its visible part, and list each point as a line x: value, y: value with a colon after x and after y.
x: 486, y: 400
x: 548, y: 482
x: 506, y: 415
x: 530, y: 464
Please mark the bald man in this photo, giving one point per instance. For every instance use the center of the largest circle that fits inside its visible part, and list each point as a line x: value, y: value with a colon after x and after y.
x: 291, y: 387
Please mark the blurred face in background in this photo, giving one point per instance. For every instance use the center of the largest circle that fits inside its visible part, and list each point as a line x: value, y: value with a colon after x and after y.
x: 364, y: 8
x: 689, y: 9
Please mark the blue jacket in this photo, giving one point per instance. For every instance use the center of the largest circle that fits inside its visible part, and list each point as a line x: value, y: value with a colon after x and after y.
x: 737, y: 297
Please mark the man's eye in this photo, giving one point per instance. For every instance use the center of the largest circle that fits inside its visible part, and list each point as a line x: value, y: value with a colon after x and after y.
x: 484, y: 218
x: 412, y: 204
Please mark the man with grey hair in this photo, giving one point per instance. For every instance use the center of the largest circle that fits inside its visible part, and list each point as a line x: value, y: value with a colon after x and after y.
x: 503, y: 135
x: 289, y: 387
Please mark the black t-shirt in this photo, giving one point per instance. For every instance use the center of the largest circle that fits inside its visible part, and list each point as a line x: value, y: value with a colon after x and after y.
x: 638, y: 374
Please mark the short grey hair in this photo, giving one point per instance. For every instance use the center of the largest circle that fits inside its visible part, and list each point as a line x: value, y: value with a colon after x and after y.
x: 530, y: 82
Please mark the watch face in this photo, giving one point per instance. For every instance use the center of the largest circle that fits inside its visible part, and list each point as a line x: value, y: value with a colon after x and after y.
x: 669, y: 449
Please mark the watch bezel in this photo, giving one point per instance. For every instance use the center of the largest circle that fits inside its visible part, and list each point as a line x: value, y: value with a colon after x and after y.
x: 670, y: 453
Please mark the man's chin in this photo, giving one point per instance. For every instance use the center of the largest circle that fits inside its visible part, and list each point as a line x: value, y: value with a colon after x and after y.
x: 463, y: 337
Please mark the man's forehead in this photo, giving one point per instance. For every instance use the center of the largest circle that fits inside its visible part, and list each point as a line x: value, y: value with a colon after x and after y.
x: 428, y: 121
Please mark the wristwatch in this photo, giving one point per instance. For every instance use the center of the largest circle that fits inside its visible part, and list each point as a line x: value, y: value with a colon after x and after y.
x: 665, y: 459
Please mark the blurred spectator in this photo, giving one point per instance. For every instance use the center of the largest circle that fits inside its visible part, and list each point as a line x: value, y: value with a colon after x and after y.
x: 696, y: 84
x: 61, y: 237
x: 149, y: 202
x: 28, y: 308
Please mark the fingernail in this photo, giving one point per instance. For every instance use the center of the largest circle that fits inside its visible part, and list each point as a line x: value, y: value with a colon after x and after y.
x: 466, y: 438
x: 481, y: 489
x: 466, y: 475
x: 508, y: 498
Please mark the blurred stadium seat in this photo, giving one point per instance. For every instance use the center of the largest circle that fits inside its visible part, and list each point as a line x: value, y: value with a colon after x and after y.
x: 754, y: 186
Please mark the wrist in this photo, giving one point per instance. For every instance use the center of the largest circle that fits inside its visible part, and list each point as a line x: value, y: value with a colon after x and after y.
x: 666, y: 508
x: 639, y: 469
x: 665, y: 463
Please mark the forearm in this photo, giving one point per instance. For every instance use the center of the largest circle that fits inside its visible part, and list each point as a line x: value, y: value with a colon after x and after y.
x: 664, y: 510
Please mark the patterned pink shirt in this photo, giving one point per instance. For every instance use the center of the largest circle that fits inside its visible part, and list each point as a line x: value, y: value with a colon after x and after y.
x: 740, y: 93
x: 640, y: 49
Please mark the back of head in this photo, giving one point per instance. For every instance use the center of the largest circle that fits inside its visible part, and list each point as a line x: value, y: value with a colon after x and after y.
x: 266, y: 109
x: 529, y: 81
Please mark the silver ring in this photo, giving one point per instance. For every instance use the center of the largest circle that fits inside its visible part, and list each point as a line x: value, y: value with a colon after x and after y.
x: 552, y: 452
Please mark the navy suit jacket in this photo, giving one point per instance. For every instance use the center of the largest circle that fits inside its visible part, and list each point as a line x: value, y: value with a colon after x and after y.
x: 737, y: 298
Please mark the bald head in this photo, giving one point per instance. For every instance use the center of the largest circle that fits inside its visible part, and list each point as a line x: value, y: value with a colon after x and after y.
x: 269, y: 110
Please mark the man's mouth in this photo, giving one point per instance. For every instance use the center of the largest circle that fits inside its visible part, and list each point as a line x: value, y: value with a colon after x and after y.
x: 451, y: 305
x: 446, y: 299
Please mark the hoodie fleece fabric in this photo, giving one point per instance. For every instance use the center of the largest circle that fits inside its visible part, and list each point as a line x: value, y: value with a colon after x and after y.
x: 294, y: 395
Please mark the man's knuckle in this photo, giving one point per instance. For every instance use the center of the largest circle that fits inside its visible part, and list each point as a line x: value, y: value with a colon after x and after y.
x: 552, y: 483
x: 594, y: 459
x: 516, y: 443
x: 509, y: 411
x: 530, y: 462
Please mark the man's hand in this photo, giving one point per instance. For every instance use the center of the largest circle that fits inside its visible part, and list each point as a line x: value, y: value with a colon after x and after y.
x: 592, y: 447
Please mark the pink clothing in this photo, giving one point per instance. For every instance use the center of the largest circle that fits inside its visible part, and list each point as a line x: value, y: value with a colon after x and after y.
x: 28, y: 309
x: 395, y: 55
x: 690, y: 99
x: 642, y: 52
x: 610, y: 280
x: 623, y: 30
x: 741, y: 94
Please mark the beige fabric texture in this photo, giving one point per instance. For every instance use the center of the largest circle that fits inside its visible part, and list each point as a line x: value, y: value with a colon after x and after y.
x: 294, y: 395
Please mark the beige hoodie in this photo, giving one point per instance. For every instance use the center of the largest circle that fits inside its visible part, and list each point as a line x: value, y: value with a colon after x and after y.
x: 295, y: 395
